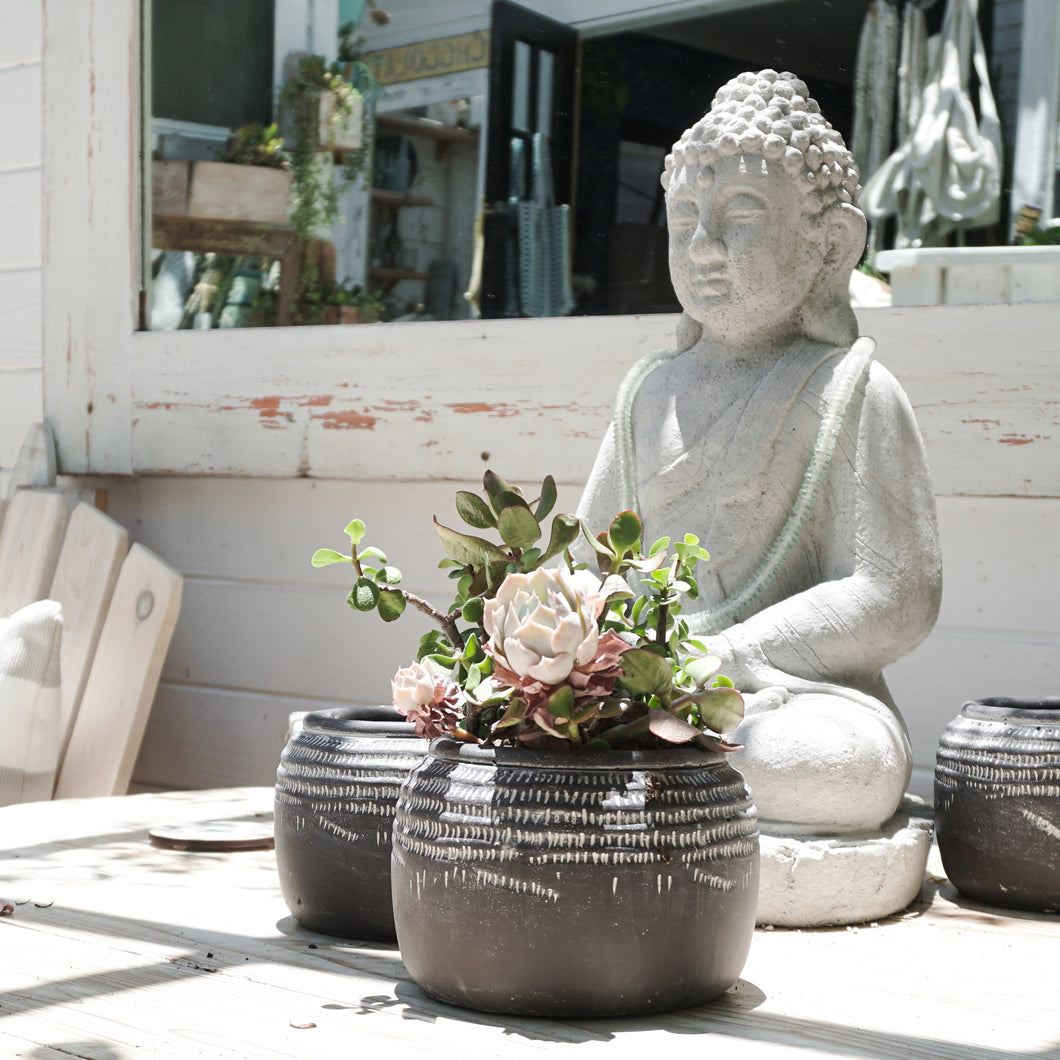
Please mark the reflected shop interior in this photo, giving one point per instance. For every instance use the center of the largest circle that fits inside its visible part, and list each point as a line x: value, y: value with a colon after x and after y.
x: 351, y: 161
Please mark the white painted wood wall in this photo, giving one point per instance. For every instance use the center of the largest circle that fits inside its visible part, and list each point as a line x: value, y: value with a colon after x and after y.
x: 20, y: 225
x: 261, y: 633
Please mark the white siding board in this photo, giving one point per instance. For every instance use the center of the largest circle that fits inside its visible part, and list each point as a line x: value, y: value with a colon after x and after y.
x: 20, y: 407
x: 424, y: 401
x: 179, y: 749
x: 266, y: 530
x: 20, y: 32
x: 950, y: 668
x: 20, y: 218
x: 20, y: 104
x: 1001, y: 565
x: 287, y: 640
x: 20, y: 319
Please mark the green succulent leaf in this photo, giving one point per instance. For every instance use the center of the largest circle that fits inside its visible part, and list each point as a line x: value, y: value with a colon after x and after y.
x: 702, y: 668
x: 371, y: 552
x: 565, y: 530
x: 625, y: 531
x: 645, y: 672
x: 494, y: 484
x: 363, y: 596
x: 508, y: 499
x: 476, y: 551
x: 670, y: 727
x: 720, y: 709
x: 531, y: 558
x: 472, y: 611
x: 355, y: 530
x: 324, y: 557
x: 391, y: 604
x: 517, y: 525
x: 475, y: 511
x: 561, y: 703
x: 389, y: 576
x: 547, y: 501
x: 486, y: 578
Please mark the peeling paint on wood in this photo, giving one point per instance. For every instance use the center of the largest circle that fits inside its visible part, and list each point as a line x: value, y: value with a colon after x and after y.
x: 347, y: 420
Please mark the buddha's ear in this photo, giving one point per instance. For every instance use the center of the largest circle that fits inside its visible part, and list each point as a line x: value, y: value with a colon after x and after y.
x: 845, y: 231
x: 826, y: 314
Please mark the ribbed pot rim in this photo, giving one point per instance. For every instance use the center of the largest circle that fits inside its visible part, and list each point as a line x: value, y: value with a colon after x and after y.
x: 1030, y: 709
x: 373, y: 721
x: 679, y: 756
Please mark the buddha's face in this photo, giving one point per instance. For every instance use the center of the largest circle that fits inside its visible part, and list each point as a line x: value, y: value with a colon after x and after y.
x: 743, y: 256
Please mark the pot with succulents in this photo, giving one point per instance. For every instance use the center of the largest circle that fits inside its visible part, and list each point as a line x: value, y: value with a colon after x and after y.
x: 575, y: 842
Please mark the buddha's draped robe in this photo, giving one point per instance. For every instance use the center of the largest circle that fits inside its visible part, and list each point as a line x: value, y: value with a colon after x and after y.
x: 859, y: 588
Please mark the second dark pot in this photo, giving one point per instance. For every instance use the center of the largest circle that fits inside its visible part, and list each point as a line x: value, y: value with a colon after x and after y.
x: 997, y: 802
x: 336, y: 787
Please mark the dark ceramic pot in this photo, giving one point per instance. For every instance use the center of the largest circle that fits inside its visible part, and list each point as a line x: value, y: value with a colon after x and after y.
x: 997, y: 802
x: 550, y: 884
x: 336, y: 787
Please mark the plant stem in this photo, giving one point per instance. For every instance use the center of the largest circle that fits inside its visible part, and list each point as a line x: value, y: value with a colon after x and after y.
x: 660, y: 626
x: 447, y: 622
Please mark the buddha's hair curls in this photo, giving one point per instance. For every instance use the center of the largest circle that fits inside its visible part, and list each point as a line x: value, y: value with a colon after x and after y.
x: 771, y: 115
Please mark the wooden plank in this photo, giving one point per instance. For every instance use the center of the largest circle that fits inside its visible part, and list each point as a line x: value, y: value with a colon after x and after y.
x: 261, y: 719
x: 170, y: 181
x: 212, y: 538
x: 127, y: 952
x: 223, y: 235
x: 983, y: 379
x: 20, y: 408
x: 121, y: 684
x: 20, y: 295
x: 20, y: 33
x: 317, y: 645
x: 20, y: 217
x: 84, y: 581
x: 35, y: 463
x: 20, y: 103
x: 91, y: 235
x: 239, y: 193
x: 30, y: 540
x: 1000, y: 570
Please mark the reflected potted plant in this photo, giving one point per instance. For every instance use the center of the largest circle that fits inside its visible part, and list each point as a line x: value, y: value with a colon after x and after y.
x: 575, y: 842
x: 250, y: 182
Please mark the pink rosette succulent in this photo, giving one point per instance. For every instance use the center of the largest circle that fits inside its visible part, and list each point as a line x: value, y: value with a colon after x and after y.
x: 427, y: 697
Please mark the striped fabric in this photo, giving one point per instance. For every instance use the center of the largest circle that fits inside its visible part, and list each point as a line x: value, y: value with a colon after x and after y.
x: 29, y: 702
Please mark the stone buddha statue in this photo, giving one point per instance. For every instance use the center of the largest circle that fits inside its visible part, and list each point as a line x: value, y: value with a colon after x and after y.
x: 773, y: 434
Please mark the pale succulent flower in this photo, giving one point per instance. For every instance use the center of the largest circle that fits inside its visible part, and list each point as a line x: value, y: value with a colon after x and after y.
x: 543, y: 624
x: 427, y: 696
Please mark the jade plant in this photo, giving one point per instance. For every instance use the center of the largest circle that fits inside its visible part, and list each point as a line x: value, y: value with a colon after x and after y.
x: 538, y: 650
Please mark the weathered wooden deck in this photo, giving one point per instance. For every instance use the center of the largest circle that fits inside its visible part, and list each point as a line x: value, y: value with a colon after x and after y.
x: 119, y: 949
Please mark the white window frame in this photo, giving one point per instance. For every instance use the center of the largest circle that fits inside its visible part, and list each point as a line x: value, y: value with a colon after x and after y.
x: 396, y: 401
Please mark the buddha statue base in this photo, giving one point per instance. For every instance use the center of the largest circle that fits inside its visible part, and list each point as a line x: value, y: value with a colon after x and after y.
x: 826, y: 881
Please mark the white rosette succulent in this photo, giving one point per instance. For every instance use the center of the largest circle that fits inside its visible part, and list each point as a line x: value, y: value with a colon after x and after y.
x: 543, y: 624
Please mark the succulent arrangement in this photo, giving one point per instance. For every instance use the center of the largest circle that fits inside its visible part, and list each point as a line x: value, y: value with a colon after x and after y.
x: 538, y: 650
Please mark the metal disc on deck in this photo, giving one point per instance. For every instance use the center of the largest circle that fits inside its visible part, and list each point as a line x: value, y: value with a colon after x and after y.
x: 214, y: 835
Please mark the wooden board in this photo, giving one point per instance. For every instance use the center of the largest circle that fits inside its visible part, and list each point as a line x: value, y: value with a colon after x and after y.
x: 30, y: 540
x: 239, y: 193
x: 121, y: 684
x: 84, y: 581
x: 117, y: 948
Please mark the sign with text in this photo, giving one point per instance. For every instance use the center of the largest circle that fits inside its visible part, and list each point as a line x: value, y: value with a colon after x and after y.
x: 432, y: 58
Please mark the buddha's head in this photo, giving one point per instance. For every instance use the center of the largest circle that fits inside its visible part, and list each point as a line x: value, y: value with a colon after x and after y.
x: 764, y: 230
